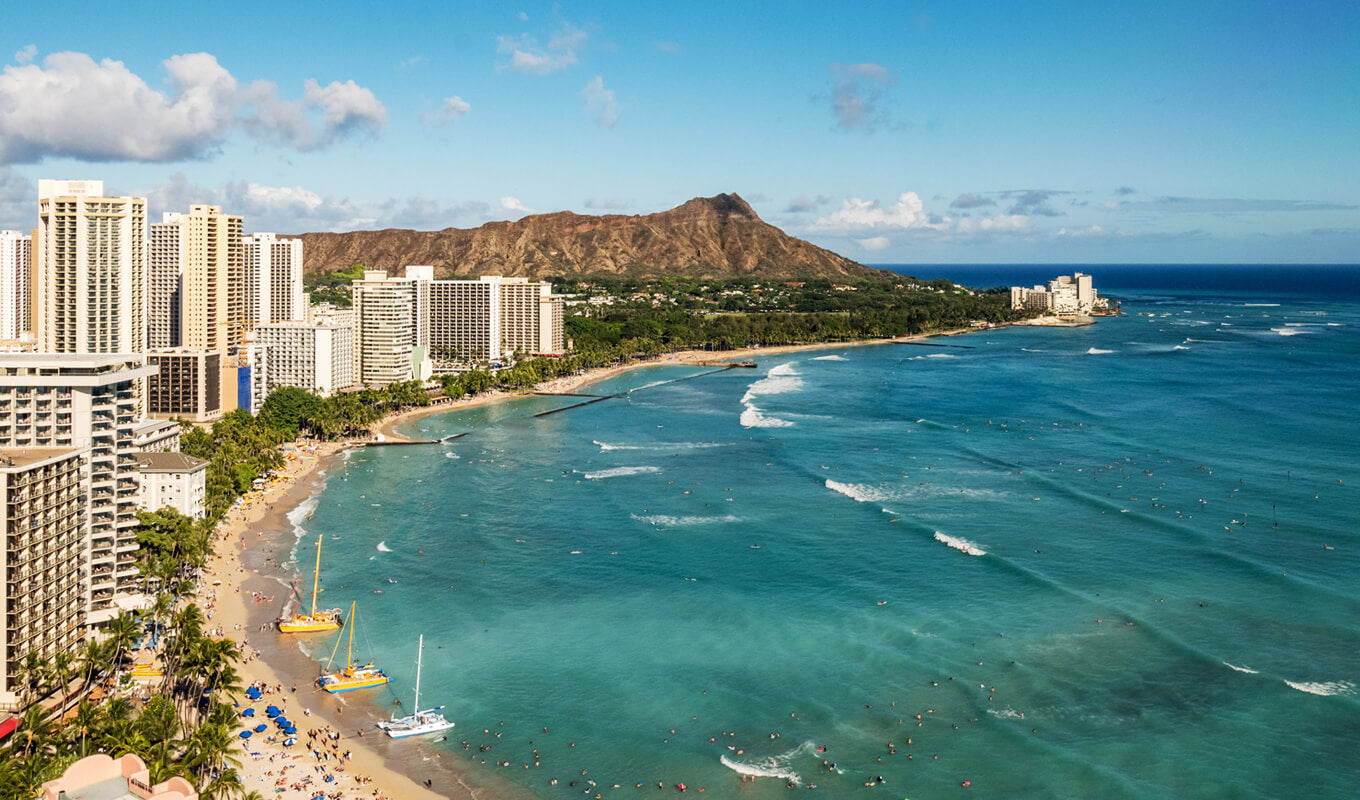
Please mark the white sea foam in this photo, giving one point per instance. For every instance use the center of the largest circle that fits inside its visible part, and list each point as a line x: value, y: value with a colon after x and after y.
x: 668, y: 521
x: 1005, y: 713
x: 1180, y: 347
x: 1028, y: 350
x: 941, y: 355
x: 301, y: 512
x: 753, y: 417
x: 383, y: 548
x: 830, y: 358
x: 450, y: 454
x: 962, y: 545
x: 1247, y: 670
x: 1291, y: 331
x: 1261, y: 305
x: 647, y: 386
x: 779, y: 380
x: 606, y: 446
x: 1097, y: 352
x: 859, y: 492
x: 1326, y: 689
x: 620, y: 472
x: 780, y: 766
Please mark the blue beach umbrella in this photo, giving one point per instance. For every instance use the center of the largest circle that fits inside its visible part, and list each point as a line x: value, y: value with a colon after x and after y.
x: 261, y: 728
x: 247, y: 734
x: 249, y: 712
x: 290, y: 741
x: 291, y: 729
x: 272, y: 711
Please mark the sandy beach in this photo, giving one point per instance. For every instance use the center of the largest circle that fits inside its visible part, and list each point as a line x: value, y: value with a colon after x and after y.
x: 339, y: 753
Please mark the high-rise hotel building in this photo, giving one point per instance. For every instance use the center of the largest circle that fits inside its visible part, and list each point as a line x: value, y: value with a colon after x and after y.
x: 402, y: 324
x: 91, y: 402
x: 42, y: 540
x: 197, y: 278
x: 273, y: 280
x: 388, y: 330
x: 89, y: 276
x: 15, y: 272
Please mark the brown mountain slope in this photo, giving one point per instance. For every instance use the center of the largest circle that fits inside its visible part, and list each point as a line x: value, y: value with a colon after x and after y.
x: 707, y: 237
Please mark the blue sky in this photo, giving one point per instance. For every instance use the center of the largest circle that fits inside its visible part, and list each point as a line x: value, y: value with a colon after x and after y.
x: 890, y: 132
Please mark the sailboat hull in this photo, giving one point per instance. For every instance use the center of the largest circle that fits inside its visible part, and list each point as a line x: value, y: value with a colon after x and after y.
x: 311, y: 623
x: 364, y: 679
x: 415, y: 725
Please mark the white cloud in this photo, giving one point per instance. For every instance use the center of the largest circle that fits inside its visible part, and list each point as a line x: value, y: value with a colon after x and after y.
x: 71, y: 106
x: 455, y: 107
x: 1001, y: 223
x: 867, y: 215
x: 514, y: 206
x: 1079, y: 233
x: 526, y: 55
x: 872, y: 225
x: 297, y: 209
x: 26, y: 54
x: 600, y: 103
x: 407, y: 63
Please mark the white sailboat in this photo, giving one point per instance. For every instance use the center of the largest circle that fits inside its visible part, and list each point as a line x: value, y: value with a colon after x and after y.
x: 417, y: 722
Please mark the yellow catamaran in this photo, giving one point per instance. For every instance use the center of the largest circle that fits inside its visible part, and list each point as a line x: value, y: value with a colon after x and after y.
x: 351, y: 677
x: 317, y: 620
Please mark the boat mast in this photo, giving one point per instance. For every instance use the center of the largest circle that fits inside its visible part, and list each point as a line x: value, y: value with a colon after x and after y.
x: 349, y: 649
x: 316, y: 574
x: 420, y: 649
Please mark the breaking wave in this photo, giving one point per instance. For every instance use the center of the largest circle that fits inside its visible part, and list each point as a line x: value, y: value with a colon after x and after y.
x: 619, y: 472
x: 1097, y: 352
x: 780, y: 380
x: 1247, y: 670
x: 962, y: 545
x: 668, y: 521
x: 780, y: 766
x: 383, y: 548
x: 1325, y: 689
x: 830, y: 358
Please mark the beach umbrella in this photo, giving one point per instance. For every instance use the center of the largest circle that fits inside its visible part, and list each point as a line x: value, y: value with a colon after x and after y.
x: 249, y: 712
x: 247, y: 734
x: 272, y: 711
x: 290, y: 729
x: 261, y: 728
x: 290, y: 741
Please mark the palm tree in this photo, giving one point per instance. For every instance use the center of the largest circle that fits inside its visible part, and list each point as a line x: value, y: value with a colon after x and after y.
x: 121, y: 632
x: 86, y: 722
x: 94, y: 661
x: 35, y: 733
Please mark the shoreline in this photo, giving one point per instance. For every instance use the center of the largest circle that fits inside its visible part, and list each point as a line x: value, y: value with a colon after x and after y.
x: 387, y: 429
x: 251, y: 557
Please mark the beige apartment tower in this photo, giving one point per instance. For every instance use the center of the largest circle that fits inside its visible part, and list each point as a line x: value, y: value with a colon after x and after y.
x: 273, y: 280
x: 212, y: 304
x: 42, y: 534
x: 15, y: 272
x: 89, y: 277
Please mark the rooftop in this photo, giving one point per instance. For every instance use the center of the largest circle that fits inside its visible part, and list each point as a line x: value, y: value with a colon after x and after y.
x: 169, y: 462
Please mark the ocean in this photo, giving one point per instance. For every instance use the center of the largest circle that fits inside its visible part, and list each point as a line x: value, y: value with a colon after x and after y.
x: 1115, y: 561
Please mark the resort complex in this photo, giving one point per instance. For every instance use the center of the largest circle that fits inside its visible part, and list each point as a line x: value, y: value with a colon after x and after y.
x: 1064, y: 295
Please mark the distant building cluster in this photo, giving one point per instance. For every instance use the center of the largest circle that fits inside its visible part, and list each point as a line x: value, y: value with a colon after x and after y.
x: 1065, y: 294
x: 114, y: 327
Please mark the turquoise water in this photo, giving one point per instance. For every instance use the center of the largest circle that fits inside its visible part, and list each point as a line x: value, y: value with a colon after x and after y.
x: 1115, y: 561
